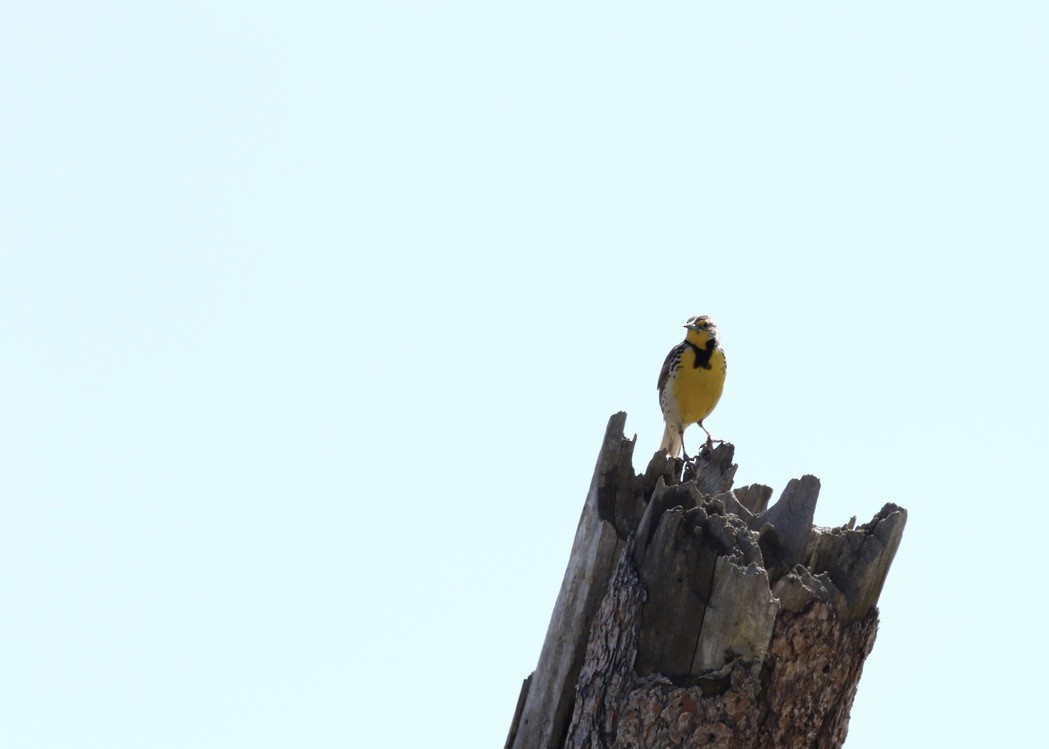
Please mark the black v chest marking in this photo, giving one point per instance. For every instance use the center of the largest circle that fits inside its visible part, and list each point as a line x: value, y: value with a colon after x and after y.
x: 702, y: 354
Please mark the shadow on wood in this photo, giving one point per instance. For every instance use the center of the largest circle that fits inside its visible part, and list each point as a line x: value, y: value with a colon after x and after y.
x: 693, y: 614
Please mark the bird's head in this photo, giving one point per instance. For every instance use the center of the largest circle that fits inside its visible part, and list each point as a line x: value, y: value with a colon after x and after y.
x: 701, y: 329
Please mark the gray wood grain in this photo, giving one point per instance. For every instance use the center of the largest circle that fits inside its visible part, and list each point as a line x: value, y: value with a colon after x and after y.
x: 739, y: 619
x: 548, y: 704
x: 693, y: 614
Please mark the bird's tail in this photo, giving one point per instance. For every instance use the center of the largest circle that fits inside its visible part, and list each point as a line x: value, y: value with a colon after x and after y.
x: 671, y: 443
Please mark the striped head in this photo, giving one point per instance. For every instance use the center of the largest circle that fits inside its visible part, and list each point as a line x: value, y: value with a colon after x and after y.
x: 701, y: 329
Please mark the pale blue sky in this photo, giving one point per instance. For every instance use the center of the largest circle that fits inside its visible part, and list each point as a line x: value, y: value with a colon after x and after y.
x: 313, y: 315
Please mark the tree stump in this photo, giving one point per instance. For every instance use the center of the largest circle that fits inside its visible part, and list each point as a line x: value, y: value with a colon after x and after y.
x: 693, y: 615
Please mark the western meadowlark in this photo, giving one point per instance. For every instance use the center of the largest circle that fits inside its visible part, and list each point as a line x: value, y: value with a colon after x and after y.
x: 690, y: 383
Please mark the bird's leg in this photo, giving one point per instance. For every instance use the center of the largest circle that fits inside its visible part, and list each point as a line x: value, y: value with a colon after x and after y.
x: 710, y: 440
x: 684, y: 454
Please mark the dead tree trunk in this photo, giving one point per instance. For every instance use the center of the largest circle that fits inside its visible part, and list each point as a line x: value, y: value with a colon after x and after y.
x: 691, y: 615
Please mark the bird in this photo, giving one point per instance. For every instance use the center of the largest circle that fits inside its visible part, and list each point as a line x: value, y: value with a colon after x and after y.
x: 690, y: 383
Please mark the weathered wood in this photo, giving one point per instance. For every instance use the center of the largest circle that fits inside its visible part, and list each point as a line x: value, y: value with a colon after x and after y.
x: 697, y: 567
x: 714, y: 473
x: 551, y: 693
x: 738, y: 622
x: 857, y: 560
x: 609, y: 666
x: 797, y: 696
x: 518, y: 710
x: 610, y: 513
x: 677, y: 575
x: 791, y: 518
x: 721, y: 622
x: 747, y: 501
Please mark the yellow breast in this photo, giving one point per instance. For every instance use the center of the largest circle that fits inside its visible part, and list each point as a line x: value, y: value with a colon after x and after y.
x: 698, y: 389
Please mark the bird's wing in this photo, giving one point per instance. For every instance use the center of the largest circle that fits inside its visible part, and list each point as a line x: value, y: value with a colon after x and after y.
x: 664, y: 373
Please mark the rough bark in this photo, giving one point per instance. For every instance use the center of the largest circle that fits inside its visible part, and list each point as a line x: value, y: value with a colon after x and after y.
x: 693, y: 614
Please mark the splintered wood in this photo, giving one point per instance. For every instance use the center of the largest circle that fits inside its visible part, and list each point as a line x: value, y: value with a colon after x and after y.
x: 693, y: 614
